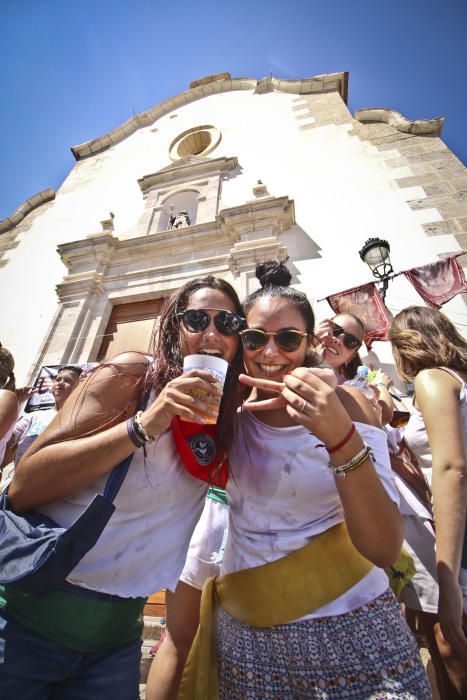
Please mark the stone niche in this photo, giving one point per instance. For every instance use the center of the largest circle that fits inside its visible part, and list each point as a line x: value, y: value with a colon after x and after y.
x: 191, y: 185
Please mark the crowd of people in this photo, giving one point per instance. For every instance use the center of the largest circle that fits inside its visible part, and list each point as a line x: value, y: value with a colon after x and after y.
x: 273, y: 546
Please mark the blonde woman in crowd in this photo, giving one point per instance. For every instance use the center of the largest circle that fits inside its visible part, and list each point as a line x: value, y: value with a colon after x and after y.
x: 430, y: 352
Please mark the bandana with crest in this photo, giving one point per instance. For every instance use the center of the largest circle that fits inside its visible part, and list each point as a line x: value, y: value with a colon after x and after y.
x: 196, y: 445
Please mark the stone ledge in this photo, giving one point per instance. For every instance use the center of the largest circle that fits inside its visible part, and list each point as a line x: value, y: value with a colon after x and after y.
x: 399, y: 122
x: 26, y: 208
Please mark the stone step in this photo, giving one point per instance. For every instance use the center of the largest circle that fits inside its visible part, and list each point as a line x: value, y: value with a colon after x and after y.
x: 153, y: 627
x: 146, y: 661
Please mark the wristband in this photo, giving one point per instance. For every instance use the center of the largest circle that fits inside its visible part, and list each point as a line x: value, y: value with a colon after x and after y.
x: 343, y: 442
x: 135, y: 438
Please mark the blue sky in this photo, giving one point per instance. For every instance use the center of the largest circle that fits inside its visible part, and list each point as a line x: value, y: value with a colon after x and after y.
x: 73, y: 70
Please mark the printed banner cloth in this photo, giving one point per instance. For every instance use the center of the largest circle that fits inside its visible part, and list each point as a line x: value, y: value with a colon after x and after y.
x: 366, y: 303
x: 43, y: 399
x: 438, y: 282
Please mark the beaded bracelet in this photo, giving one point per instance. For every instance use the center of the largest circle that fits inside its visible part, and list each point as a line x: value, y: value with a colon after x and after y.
x: 140, y: 428
x: 135, y: 438
x: 341, y: 470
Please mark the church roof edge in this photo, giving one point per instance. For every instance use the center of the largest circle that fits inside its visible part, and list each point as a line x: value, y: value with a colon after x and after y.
x: 220, y: 82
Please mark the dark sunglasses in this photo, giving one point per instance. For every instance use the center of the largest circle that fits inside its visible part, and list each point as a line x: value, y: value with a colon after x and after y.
x: 197, y: 320
x: 351, y: 341
x: 286, y: 340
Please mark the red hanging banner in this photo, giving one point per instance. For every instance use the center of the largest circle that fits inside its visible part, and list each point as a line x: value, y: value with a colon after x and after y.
x: 366, y: 303
x: 438, y: 282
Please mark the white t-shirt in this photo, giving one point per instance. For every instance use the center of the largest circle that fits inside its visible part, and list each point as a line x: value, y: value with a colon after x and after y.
x: 281, y: 494
x: 144, y: 545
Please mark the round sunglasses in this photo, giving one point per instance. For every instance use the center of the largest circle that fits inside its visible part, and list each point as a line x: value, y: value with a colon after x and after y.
x: 351, y: 341
x: 197, y: 320
x: 287, y: 340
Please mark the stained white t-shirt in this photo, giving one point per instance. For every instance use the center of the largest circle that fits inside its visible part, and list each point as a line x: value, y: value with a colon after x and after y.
x: 144, y: 545
x: 282, y: 494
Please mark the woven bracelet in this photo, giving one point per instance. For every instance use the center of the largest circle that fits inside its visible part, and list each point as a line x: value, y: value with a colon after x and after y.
x: 140, y: 429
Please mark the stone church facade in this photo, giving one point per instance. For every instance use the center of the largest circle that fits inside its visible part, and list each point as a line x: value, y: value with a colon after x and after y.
x: 230, y: 172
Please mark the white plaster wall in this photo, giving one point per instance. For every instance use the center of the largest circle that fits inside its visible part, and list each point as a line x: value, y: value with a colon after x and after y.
x: 342, y: 189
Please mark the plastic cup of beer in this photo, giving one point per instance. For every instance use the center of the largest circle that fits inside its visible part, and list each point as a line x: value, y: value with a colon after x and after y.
x: 218, y: 368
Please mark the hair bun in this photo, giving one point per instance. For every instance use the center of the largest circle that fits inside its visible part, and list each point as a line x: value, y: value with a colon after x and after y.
x: 273, y: 274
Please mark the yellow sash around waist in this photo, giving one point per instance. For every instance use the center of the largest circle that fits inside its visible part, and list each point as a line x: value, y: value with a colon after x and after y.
x: 270, y: 595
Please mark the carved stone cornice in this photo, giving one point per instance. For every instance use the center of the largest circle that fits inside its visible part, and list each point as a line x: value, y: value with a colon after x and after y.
x: 399, y: 122
x: 83, y: 255
x: 75, y: 287
x: 244, y: 256
x: 188, y: 168
x: 306, y: 86
x: 25, y: 208
x: 214, y: 85
x: 268, y: 214
x: 236, y: 239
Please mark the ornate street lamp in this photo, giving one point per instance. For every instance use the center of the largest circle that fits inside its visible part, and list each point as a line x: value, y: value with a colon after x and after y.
x: 375, y: 253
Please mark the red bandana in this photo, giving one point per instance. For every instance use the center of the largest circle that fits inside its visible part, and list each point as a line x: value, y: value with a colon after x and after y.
x: 196, y: 445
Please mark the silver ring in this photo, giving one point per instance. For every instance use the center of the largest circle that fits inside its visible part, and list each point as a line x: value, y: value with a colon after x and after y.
x: 305, y: 404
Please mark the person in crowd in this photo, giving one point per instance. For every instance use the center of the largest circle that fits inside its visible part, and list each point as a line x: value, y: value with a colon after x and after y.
x: 30, y: 425
x: 340, y: 339
x: 83, y: 640
x: 430, y: 352
x: 305, y: 609
x: 9, y: 405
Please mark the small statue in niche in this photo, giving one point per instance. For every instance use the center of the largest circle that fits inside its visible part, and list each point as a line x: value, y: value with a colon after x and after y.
x: 180, y: 220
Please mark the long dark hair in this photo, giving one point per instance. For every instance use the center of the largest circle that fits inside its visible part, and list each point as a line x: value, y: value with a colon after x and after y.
x: 423, y: 338
x: 275, y: 279
x: 168, y: 358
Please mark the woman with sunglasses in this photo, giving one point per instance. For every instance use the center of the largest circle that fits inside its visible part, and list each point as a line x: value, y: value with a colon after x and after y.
x: 82, y: 641
x: 429, y: 351
x: 340, y: 338
x: 305, y: 609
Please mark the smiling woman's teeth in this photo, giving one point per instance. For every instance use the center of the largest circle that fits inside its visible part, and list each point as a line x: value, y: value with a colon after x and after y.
x: 270, y: 369
x: 209, y: 351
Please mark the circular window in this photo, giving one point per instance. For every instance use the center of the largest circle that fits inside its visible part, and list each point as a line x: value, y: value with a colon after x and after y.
x: 197, y: 141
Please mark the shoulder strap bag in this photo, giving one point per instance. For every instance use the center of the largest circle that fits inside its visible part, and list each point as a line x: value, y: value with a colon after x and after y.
x: 37, y: 554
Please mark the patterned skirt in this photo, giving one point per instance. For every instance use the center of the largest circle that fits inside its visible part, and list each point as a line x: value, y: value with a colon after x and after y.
x: 367, y: 653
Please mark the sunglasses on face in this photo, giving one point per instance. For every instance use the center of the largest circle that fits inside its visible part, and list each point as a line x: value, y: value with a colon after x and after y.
x: 197, y: 320
x: 351, y: 341
x: 286, y: 340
